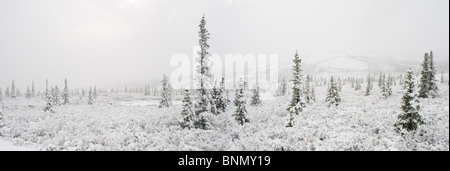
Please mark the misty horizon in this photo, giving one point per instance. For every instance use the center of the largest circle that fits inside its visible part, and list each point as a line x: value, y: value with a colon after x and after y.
x: 114, y: 43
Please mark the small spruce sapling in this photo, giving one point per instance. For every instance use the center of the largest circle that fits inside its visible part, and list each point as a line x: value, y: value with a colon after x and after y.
x: 240, y: 102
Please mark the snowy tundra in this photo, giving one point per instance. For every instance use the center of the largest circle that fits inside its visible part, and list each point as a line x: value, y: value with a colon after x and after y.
x: 134, y: 122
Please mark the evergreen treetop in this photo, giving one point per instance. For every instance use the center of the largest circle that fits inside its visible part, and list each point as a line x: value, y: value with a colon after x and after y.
x: 333, y: 97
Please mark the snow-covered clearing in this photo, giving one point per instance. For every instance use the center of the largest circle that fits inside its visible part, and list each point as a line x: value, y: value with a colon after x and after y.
x: 136, y: 123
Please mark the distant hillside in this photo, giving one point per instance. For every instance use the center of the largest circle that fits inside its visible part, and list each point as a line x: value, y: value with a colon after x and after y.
x: 346, y: 63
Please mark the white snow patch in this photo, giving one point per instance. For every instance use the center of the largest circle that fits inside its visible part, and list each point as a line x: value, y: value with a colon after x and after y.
x: 146, y: 103
x: 267, y: 96
x: 7, y: 146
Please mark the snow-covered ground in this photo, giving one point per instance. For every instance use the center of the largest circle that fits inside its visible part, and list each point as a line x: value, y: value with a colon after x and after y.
x: 136, y: 123
x: 7, y: 146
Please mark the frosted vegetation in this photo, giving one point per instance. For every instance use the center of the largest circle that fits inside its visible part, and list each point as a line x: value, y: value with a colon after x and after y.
x: 114, y: 122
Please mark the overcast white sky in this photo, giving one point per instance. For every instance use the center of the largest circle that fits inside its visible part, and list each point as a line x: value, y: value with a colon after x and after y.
x: 101, y: 42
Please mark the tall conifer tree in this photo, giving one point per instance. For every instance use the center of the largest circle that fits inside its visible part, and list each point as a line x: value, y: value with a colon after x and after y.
x: 410, y: 118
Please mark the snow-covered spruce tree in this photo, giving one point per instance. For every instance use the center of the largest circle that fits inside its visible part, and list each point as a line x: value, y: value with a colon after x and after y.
x: 221, y: 98
x: 187, y: 114
x: 382, y: 82
x: 296, y: 106
x: 432, y: 87
x: 166, y: 100
x: 13, y: 90
x: 1, y: 96
x: 204, y: 104
x: 410, y: 118
x: 90, y: 99
x: 256, y: 99
x: 240, y: 103
x: 383, y: 86
x: 48, y: 99
x: 65, y: 93
x: 33, y: 91
x: 369, y: 86
x: 388, y: 88
x: 425, y: 73
x: 333, y: 97
x: 56, y: 96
